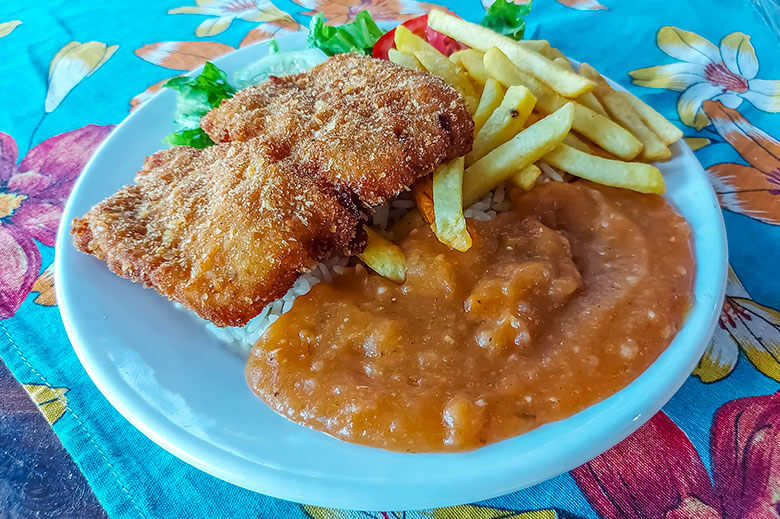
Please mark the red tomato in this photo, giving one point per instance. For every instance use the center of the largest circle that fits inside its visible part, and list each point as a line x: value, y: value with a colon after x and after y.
x: 418, y: 26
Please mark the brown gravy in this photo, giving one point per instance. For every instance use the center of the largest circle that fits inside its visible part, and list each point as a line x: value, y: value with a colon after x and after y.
x: 561, y: 301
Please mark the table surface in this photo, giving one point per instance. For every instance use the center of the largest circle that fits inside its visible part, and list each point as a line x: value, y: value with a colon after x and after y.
x: 38, y: 478
x: 714, y: 446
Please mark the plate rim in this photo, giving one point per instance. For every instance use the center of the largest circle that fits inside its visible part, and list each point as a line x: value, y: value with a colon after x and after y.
x: 276, y: 482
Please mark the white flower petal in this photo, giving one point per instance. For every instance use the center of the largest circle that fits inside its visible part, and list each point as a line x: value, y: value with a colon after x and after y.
x: 194, y: 10
x: 764, y: 94
x: 674, y: 76
x: 687, y: 46
x: 734, y: 287
x: 729, y: 99
x: 66, y: 75
x: 110, y: 50
x: 213, y: 26
x: 739, y: 55
x: 60, y: 53
x: 720, y: 358
x: 70, y: 65
x: 7, y: 28
x: 689, y: 103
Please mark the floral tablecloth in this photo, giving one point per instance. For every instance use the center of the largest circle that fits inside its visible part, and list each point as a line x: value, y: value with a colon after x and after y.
x: 72, y: 70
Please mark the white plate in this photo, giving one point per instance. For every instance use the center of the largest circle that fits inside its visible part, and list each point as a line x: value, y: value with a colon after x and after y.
x: 186, y: 392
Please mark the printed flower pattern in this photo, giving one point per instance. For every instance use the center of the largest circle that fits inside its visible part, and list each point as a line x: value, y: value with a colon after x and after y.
x: 745, y: 452
x: 7, y: 28
x: 72, y: 63
x: 342, y: 11
x: 32, y: 194
x: 51, y: 401
x: 583, y: 5
x: 182, y: 55
x: 187, y: 55
x: 656, y: 473
x: 44, y: 285
x: 751, y: 189
x: 726, y: 74
x: 266, y: 31
x: 746, y: 325
x: 697, y: 143
x: 222, y: 13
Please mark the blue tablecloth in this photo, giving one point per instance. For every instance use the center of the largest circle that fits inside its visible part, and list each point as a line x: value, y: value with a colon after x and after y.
x: 71, y: 70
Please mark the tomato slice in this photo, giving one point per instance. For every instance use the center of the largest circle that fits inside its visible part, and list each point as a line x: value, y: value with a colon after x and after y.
x: 442, y: 42
x: 418, y: 26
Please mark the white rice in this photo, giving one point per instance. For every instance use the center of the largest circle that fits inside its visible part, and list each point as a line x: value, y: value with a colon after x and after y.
x: 242, y: 338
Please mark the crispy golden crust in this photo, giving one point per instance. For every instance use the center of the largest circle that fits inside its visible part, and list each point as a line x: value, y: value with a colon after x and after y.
x: 223, y: 231
x: 366, y: 125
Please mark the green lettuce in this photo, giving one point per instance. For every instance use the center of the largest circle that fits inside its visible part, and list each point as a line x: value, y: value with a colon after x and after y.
x: 358, y: 36
x: 194, y: 138
x: 507, y: 18
x: 195, y: 97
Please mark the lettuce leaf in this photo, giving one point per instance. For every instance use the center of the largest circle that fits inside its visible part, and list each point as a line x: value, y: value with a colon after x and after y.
x: 195, y: 97
x: 507, y: 18
x: 195, y: 138
x: 358, y: 36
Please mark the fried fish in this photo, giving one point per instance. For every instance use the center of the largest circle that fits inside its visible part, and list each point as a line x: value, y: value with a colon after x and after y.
x: 223, y: 231
x: 365, y: 125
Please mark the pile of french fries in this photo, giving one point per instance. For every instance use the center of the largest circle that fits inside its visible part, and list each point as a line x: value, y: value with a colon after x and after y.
x: 532, y: 111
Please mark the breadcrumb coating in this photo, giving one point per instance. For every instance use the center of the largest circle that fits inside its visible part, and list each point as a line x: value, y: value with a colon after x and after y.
x: 223, y: 231
x: 364, y: 124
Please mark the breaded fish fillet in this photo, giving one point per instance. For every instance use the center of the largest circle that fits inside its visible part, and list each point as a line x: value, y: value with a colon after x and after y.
x: 365, y: 125
x: 223, y: 231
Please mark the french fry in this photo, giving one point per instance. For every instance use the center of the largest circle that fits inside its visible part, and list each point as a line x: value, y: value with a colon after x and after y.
x: 587, y: 99
x: 599, y: 129
x: 590, y: 101
x: 498, y: 65
x: 590, y: 147
x: 449, y: 223
x: 457, y: 57
x: 526, y: 177
x: 504, y: 123
x: 563, y: 62
x: 403, y: 59
x: 565, y: 82
x: 637, y: 176
x: 523, y: 149
x: 383, y: 257
x: 401, y: 229
x: 436, y: 63
x: 492, y: 95
x: 466, y: 32
x: 554, y: 54
x: 575, y: 142
x: 606, y: 133
x: 471, y: 59
x: 622, y: 111
x: 423, y: 197
x: 666, y: 131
